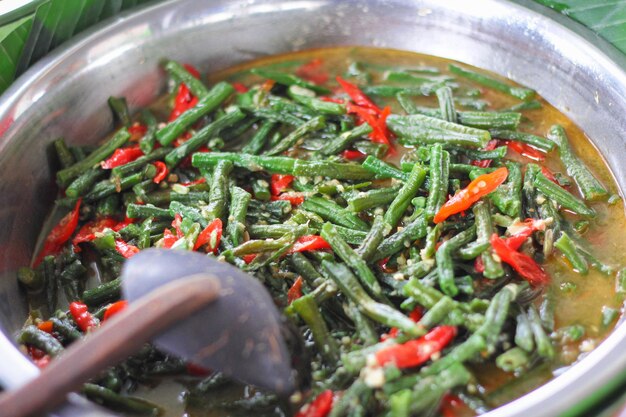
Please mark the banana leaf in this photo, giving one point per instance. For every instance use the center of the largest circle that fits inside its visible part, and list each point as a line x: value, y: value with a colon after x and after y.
x: 12, y: 40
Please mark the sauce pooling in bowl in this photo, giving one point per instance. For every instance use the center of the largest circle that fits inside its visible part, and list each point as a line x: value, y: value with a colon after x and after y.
x: 443, y: 238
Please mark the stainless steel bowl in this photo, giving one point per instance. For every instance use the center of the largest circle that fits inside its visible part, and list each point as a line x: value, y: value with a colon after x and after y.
x: 65, y: 94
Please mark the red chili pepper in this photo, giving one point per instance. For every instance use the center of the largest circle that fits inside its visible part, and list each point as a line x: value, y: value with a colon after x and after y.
x: 120, y: 225
x: 210, y: 236
x: 42, y: 362
x: 162, y: 172
x: 295, y: 291
x: 452, y: 406
x: 524, y: 230
x: 249, y: 258
x: 481, y: 186
x: 309, y: 243
x: 46, y: 326
x: 485, y: 163
x: 383, y: 265
x: 60, y: 234
x: 192, y: 70
x: 268, y: 85
x: 82, y: 317
x: 523, y: 264
x: 197, y: 370
x: 549, y: 175
x: 178, y: 219
x: 196, y: 182
x: 240, y: 88
x: 126, y: 250
x: 137, y: 131
x: 35, y: 353
x: 332, y: 99
x: 87, y: 233
x: 374, y: 118
x: 114, y: 308
x: 357, y: 95
x: 351, y: 155
x: 183, y: 101
x: 313, y: 71
x: 294, y: 198
x: 319, y: 407
x: 168, y: 239
x: 122, y: 156
x: 525, y: 150
x: 416, y: 352
x: 479, y: 265
x: 415, y: 315
x: 279, y: 183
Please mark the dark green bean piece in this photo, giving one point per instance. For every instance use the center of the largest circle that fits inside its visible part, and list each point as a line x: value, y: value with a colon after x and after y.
x: 115, y: 401
x: 181, y: 74
x: 298, y: 134
x: 497, y: 314
x: 52, y: 284
x: 258, y: 141
x: 565, y: 244
x: 288, y: 79
x: 307, y: 309
x: 542, y: 340
x: 119, y: 107
x: 373, y: 239
x: 202, y: 136
x: 428, y: 392
x: 382, y: 313
x: 104, y: 293
x: 219, y: 190
x: 590, y: 188
x: 187, y: 211
x: 146, y: 144
x: 41, y: 340
x: 484, y: 230
x: 527, y: 105
x: 352, y: 259
x: 108, y: 206
x: 402, y: 239
x: 398, y: 206
x: 562, y: 196
x: 66, y: 175
x: 362, y: 200
x: 64, y: 154
x: 31, y: 279
x: 364, y: 327
x: 439, y: 172
x: 425, y: 89
x: 446, y: 104
x: 523, y: 333
x: 518, y: 92
x: 65, y: 329
x: 417, y: 129
x: 350, y: 399
x: 344, y: 140
x: 220, y: 92
x: 239, y: 200
x: 432, y: 238
x: 536, y: 141
x: 307, y: 97
x: 513, y: 360
x: 272, y: 164
x: 71, y: 279
x: 334, y: 213
x: 445, y: 264
x: 383, y: 170
x: 106, y: 188
x: 330, y: 169
x: 438, y: 312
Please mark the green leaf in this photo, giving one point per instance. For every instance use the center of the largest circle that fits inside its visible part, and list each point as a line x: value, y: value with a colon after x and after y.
x: 607, y: 18
x: 12, y: 40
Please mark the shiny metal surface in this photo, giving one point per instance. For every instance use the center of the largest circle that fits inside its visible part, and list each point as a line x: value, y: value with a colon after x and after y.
x: 66, y: 94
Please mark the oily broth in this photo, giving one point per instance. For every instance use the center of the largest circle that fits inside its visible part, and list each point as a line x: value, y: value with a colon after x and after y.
x: 581, y: 306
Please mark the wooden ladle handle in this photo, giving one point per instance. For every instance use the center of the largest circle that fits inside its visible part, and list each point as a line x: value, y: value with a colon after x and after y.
x: 121, y: 336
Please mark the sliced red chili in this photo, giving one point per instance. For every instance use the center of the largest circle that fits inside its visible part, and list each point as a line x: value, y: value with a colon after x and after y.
x: 357, y: 95
x: 319, y: 407
x: 294, y: 198
x: 525, y: 150
x: 87, y: 232
x: 523, y: 264
x: 183, y: 101
x: 195, y: 182
x: 168, y: 239
x: 481, y: 186
x: 313, y: 71
x: 309, y: 243
x: 240, y: 88
x: 295, y: 291
x: 192, y: 70
x: 137, y: 131
x: 176, y: 224
x: 453, y: 406
x: 162, y: 172
x: 60, y: 233
x: 82, y: 317
x: 416, y: 352
x: 210, y: 236
x: 279, y: 183
x: 114, y: 308
x: 479, y: 265
x: 197, y: 370
x: 249, y: 258
x: 524, y: 230
x: 122, y: 156
x: 376, y: 120
x: 46, y: 326
x: 549, y: 175
x: 125, y: 249
x: 351, y: 155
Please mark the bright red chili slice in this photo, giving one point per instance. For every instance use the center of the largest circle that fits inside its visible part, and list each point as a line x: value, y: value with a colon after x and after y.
x: 87, y: 232
x: 60, y: 234
x: 192, y: 70
x: 162, y: 172
x: 168, y: 239
x: 416, y: 352
x: 294, y: 198
x: 82, y: 317
x: 249, y: 258
x: 524, y: 230
x: 523, y: 264
x: 485, y: 163
x: 279, y: 183
x: 383, y: 265
x: 312, y: 71
x: 525, y: 150
x: 183, y: 101
x: 125, y: 249
x: 351, y: 155
x: 197, y: 370
x: 453, y: 406
x: 46, y: 326
x: 549, y: 175
x: 240, y: 88
x: 195, y: 182
x: 210, y: 236
x: 122, y: 156
x: 137, y: 131
x: 42, y: 362
x: 295, y: 291
x: 332, y: 99
x: 480, y: 187
x: 479, y: 265
x: 415, y: 315
x: 176, y: 223
x: 114, y: 308
x: 357, y: 95
x: 309, y: 243
x: 319, y: 407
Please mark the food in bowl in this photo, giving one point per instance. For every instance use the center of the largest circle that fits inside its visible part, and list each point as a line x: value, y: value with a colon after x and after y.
x: 431, y: 229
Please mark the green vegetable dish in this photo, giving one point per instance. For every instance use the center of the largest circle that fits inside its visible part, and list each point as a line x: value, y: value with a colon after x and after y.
x: 444, y: 240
